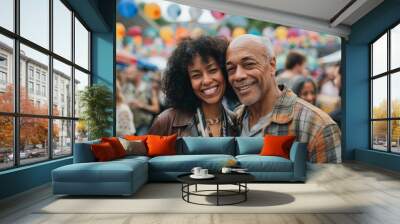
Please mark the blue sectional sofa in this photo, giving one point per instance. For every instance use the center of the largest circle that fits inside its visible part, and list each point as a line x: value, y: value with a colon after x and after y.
x: 125, y: 176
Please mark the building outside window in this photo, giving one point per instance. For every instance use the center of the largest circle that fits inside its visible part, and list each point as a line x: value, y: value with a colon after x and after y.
x: 57, y: 128
x: 43, y: 90
x: 30, y: 87
x: 3, y: 78
x: 30, y: 72
x: 3, y: 72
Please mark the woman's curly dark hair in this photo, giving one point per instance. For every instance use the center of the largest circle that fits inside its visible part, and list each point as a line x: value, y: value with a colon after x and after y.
x: 176, y: 82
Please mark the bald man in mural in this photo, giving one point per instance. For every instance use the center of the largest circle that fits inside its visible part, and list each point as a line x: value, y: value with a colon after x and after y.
x: 271, y: 109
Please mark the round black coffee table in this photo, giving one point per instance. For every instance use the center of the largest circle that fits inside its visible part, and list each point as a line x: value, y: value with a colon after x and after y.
x: 238, y: 179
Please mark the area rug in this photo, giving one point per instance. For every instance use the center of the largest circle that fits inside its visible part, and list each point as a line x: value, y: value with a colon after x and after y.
x: 167, y: 198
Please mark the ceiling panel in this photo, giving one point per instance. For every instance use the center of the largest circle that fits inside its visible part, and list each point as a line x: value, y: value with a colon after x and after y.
x: 320, y: 9
x: 314, y: 15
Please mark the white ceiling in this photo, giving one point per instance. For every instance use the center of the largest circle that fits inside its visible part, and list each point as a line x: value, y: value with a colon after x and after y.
x: 315, y: 15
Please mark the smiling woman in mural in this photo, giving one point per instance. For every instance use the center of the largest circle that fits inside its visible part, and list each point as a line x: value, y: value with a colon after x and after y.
x: 195, y: 83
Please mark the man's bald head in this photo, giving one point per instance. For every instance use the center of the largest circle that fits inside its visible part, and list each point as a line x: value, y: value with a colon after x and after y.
x: 253, y: 42
x: 251, y: 64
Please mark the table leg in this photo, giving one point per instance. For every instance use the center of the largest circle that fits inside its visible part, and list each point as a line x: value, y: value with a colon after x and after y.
x: 217, y: 194
x: 245, y: 193
x: 196, y: 188
x: 188, y: 189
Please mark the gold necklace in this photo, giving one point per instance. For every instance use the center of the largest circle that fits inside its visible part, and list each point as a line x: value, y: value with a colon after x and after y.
x: 212, y: 121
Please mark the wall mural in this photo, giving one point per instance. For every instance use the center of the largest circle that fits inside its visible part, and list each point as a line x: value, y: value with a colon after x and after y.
x: 196, y: 72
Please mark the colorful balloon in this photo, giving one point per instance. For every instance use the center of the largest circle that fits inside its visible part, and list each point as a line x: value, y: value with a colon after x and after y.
x: 225, y: 32
x: 268, y: 32
x: 313, y: 35
x: 138, y: 40
x: 238, y: 21
x: 238, y: 31
x: 195, y: 13
x: 152, y: 11
x: 174, y: 11
x: 196, y: 32
x: 150, y: 32
x: 217, y: 15
x: 147, y: 41
x: 127, y: 8
x: 166, y: 33
x: 181, y: 32
x: 253, y: 30
x: 281, y: 33
x: 293, y: 32
x: 134, y: 31
x: 120, y: 31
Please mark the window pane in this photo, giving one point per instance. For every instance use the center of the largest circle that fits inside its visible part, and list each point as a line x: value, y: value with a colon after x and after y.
x: 379, y: 97
x: 34, y: 72
x: 81, y: 81
x: 379, y: 55
x: 62, y: 138
x: 35, y: 21
x: 6, y: 74
x: 395, y: 94
x: 62, y: 89
x: 81, y: 45
x: 33, y: 139
x: 62, y: 29
x: 6, y: 142
x: 379, y: 135
x: 395, y: 138
x: 81, y: 131
x: 395, y: 47
x: 7, y: 14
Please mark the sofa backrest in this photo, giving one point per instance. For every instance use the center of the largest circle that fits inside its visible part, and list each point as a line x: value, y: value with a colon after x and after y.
x: 249, y: 145
x: 206, y: 145
x: 83, y: 152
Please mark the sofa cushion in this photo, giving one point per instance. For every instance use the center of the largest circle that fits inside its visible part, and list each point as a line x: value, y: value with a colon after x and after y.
x: 185, y: 163
x: 257, y: 163
x: 207, y: 145
x: 249, y: 145
x: 111, y: 171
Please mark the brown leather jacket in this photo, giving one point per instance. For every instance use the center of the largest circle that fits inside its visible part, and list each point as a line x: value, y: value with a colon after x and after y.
x: 172, y: 121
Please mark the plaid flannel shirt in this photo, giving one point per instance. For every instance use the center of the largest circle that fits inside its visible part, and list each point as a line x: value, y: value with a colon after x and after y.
x: 293, y: 116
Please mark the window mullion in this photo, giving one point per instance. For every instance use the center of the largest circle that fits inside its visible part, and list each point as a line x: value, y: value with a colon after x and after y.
x: 16, y: 84
x: 371, y: 141
x: 73, y: 82
x: 50, y: 81
x: 389, y: 106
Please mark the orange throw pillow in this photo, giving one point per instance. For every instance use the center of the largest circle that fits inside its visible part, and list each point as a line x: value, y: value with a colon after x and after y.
x: 136, y: 137
x: 103, y: 152
x: 116, y: 145
x: 161, y: 145
x: 277, y: 145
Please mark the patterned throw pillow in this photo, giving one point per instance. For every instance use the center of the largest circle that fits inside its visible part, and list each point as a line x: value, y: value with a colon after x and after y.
x: 134, y: 147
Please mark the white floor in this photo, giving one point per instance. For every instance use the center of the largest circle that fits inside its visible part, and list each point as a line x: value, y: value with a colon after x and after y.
x: 377, y: 189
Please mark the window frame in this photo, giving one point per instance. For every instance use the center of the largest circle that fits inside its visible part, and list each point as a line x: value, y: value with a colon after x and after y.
x: 388, y: 74
x: 16, y: 115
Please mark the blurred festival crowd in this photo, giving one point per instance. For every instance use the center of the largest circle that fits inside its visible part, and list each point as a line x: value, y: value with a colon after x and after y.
x: 147, y: 32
